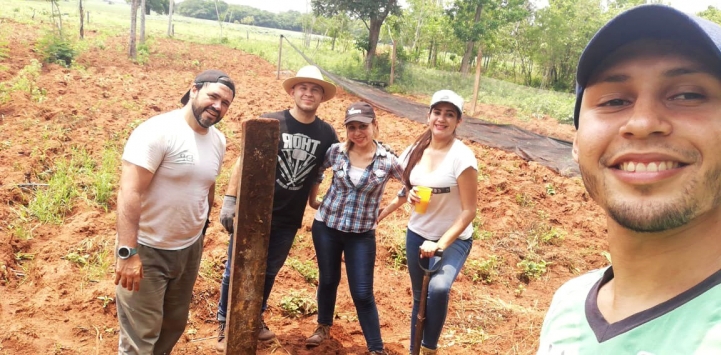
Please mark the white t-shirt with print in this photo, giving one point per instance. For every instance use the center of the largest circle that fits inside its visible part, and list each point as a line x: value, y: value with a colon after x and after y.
x: 185, y: 165
x: 445, y: 204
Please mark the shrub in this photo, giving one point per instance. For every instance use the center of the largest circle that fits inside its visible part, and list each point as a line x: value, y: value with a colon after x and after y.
x: 56, y: 49
x: 297, y: 304
x: 483, y: 270
x: 307, y: 269
x: 531, y: 270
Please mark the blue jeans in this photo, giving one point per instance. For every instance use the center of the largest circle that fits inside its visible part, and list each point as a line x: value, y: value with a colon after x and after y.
x: 281, y: 239
x: 439, y: 287
x: 360, y: 255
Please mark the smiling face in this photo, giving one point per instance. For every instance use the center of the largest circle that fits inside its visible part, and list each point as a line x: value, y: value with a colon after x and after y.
x: 649, y: 136
x: 210, y: 103
x: 443, y: 120
x: 361, y: 134
x: 307, y: 96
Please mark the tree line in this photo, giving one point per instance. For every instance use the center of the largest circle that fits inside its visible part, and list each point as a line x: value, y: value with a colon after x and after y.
x: 517, y: 41
x: 205, y: 9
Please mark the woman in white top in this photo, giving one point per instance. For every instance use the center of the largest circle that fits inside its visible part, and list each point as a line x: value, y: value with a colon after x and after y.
x: 440, y: 161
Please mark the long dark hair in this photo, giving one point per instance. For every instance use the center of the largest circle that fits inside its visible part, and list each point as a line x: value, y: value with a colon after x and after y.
x: 415, y: 155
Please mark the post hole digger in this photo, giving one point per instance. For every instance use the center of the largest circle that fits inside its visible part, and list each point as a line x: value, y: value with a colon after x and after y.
x: 420, y: 321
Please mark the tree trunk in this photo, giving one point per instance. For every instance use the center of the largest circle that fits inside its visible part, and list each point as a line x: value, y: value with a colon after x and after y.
x: 308, y: 33
x: 171, y: 6
x: 434, y: 55
x: 220, y: 23
x: 469, y: 44
x: 132, y: 50
x: 418, y: 33
x: 393, y: 61
x: 466, y: 57
x: 374, y: 33
x: 82, y: 19
x: 430, y: 54
x: 477, y: 82
x: 142, y: 22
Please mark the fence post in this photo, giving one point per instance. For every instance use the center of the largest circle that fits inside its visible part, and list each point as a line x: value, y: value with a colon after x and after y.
x: 280, y: 52
x: 258, y: 157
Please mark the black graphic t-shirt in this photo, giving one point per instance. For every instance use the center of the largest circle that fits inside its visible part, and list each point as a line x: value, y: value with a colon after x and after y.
x: 301, y: 151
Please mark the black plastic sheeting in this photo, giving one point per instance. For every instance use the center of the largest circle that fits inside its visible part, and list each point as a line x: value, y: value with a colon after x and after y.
x: 550, y: 152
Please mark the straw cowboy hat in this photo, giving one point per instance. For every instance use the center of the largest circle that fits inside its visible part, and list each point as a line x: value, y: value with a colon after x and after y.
x: 310, y: 74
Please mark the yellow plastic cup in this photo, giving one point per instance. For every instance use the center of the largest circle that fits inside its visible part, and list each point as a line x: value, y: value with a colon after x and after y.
x: 425, y: 194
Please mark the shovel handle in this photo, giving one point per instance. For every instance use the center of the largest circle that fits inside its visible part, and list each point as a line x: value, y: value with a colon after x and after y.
x: 421, y: 317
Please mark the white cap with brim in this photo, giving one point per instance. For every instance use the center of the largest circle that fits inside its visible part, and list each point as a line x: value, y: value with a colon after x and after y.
x: 645, y: 21
x: 310, y: 74
x: 449, y: 97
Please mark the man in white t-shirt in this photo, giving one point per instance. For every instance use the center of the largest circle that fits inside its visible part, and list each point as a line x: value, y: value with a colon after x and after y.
x: 170, y: 164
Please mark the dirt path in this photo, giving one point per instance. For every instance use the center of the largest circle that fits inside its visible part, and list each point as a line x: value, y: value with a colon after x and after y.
x: 51, y: 305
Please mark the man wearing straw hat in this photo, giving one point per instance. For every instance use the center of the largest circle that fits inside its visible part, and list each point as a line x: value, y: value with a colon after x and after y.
x: 304, y: 139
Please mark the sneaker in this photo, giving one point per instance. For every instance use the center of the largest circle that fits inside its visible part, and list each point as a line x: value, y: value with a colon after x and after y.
x: 378, y: 352
x: 265, y: 333
x: 321, y: 333
x: 220, y: 345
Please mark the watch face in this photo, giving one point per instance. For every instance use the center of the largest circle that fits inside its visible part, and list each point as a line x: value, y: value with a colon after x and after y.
x: 124, y: 252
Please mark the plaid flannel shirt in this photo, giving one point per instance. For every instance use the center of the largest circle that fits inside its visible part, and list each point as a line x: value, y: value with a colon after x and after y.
x: 354, y: 208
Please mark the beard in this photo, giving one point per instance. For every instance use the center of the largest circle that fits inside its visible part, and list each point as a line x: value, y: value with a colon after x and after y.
x: 198, y: 114
x: 652, y: 216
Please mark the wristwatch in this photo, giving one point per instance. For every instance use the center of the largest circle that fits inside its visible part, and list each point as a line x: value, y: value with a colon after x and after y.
x: 125, y: 252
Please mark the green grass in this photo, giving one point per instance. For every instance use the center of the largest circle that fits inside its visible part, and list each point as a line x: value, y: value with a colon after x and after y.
x: 101, y: 179
x: 51, y: 204
x: 94, y: 257
x: 80, y: 175
x: 24, y: 82
x: 532, y: 103
x: 4, y: 50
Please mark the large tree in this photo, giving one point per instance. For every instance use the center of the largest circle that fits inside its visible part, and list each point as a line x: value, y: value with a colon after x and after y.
x: 473, y: 19
x: 132, y: 48
x: 372, y: 13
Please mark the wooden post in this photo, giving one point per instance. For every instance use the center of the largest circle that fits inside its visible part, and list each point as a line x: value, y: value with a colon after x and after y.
x: 280, y: 52
x: 393, y: 62
x: 258, y: 158
x: 82, y: 19
x: 171, y: 9
x: 477, y: 83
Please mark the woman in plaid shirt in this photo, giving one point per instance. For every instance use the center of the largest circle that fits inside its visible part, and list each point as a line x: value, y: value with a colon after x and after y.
x: 346, y: 220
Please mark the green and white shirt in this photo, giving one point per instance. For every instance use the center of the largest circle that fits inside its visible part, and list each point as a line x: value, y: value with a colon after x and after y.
x: 689, y: 323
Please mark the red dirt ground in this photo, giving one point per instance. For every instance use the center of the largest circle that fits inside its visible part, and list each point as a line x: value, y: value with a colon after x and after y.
x: 49, y: 305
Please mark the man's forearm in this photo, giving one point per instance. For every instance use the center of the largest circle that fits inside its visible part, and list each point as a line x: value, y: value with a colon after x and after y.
x: 211, y: 198
x: 128, y: 218
x: 232, y: 189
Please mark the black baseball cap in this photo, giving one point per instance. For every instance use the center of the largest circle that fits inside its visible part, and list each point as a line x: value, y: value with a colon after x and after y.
x: 645, y: 21
x: 211, y: 76
x: 360, y: 112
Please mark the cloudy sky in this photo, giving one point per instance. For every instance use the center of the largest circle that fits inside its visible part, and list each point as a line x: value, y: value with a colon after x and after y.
x: 691, y: 6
